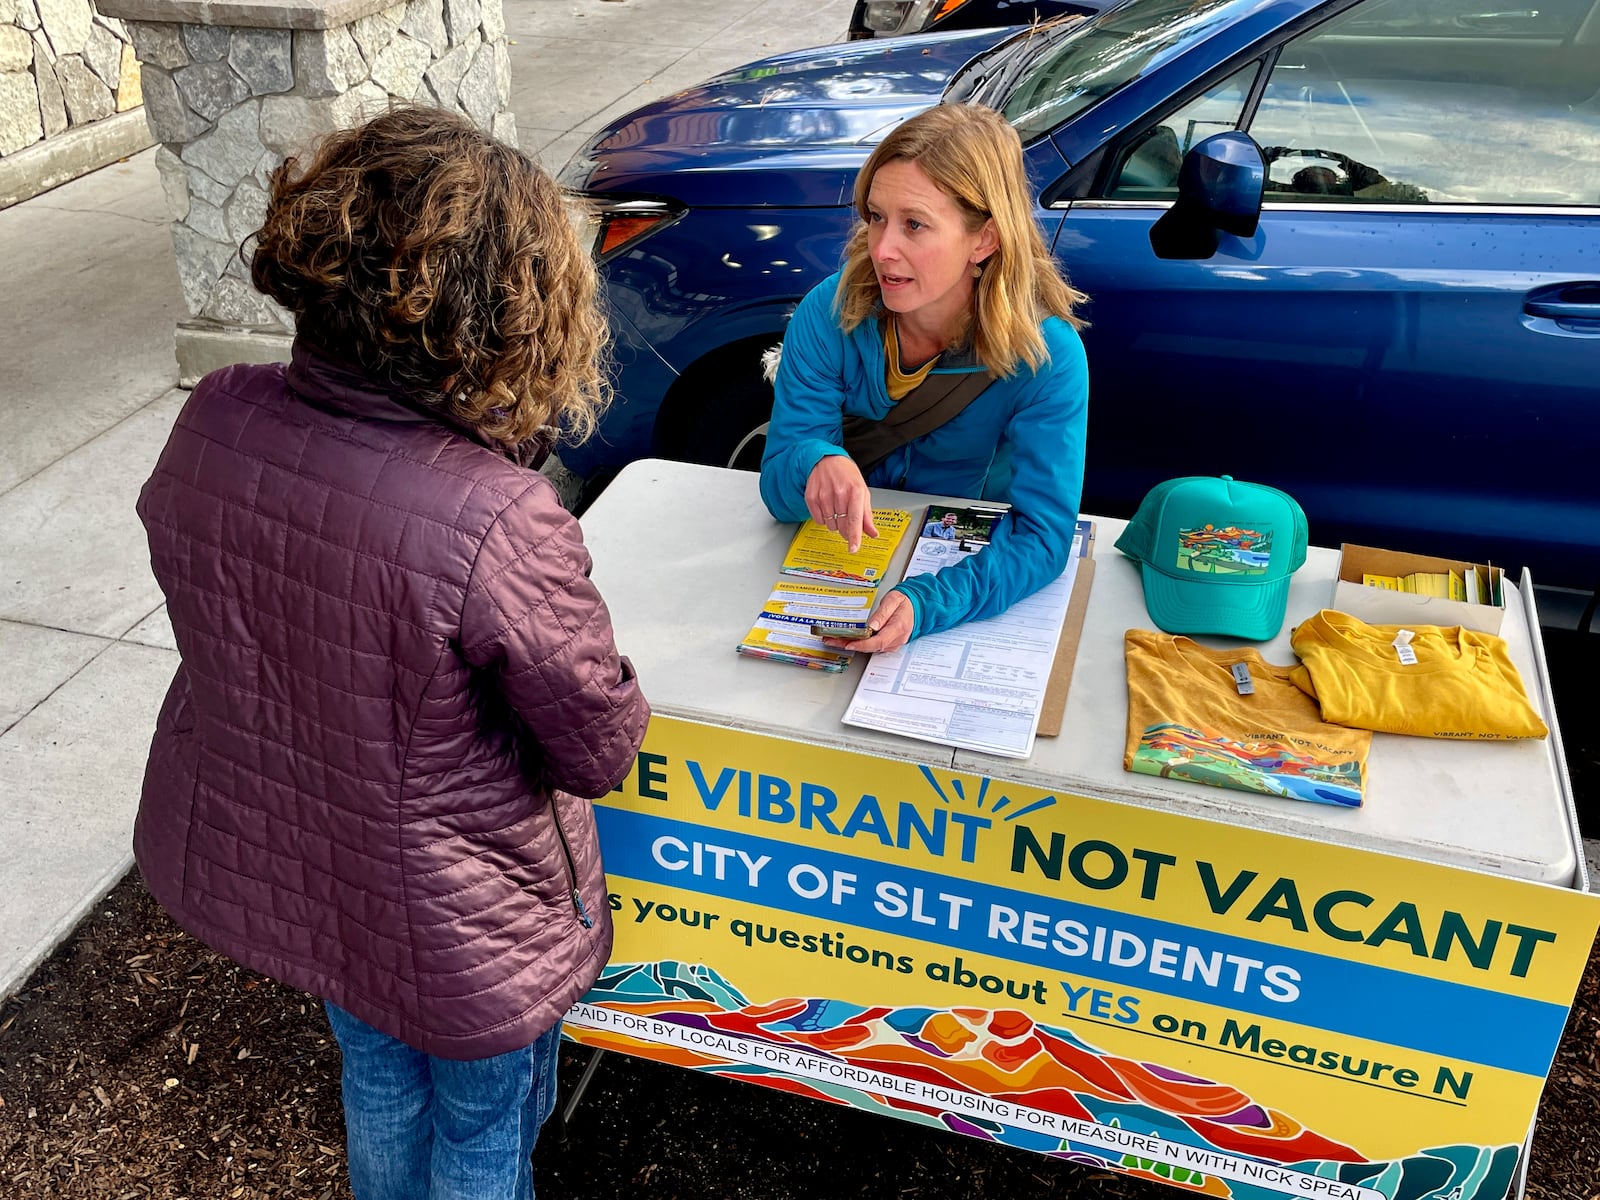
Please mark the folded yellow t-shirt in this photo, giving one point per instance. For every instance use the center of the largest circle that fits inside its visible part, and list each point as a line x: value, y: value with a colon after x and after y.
x: 1463, y: 684
x: 1187, y: 720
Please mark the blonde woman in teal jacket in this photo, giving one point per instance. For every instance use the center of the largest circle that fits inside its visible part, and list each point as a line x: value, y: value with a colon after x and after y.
x: 947, y: 275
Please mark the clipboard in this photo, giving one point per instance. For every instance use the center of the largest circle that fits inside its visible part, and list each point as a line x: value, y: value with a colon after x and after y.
x: 1054, y: 707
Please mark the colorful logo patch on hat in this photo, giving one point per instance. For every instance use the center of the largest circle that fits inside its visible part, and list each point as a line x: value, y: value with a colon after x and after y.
x: 1229, y: 550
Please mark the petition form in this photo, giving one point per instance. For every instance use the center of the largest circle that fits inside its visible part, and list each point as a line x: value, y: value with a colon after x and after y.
x: 979, y: 686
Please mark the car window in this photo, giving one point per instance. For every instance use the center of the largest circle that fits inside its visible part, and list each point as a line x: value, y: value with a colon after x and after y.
x: 1147, y: 165
x: 1379, y: 106
x: 1103, y: 54
x: 1472, y: 18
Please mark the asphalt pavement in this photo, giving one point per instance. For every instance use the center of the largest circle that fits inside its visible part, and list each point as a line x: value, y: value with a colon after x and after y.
x: 87, y: 312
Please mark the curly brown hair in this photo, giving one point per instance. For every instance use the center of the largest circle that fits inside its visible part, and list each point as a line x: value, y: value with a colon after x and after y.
x: 443, y: 263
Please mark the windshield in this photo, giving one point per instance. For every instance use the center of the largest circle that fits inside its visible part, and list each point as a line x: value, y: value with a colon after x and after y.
x: 1101, y: 55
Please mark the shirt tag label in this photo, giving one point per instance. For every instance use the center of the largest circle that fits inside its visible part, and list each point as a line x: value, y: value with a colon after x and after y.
x: 1241, y: 679
x: 1403, y: 650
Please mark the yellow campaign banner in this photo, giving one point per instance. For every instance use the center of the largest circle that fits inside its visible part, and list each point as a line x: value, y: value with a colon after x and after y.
x: 1230, y: 1010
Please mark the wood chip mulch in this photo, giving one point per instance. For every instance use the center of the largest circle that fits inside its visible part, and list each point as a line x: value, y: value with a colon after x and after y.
x: 138, y: 1065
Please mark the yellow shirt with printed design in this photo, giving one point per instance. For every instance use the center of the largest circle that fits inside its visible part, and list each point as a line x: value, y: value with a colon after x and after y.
x: 1187, y: 720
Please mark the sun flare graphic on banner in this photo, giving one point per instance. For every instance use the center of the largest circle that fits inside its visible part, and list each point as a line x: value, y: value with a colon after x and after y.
x: 1002, y: 802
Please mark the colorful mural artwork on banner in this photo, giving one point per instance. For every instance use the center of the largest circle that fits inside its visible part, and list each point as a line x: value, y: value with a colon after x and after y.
x: 1228, y: 1010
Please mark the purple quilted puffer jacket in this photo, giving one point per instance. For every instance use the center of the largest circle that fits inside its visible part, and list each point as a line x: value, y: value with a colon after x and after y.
x: 397, y: 682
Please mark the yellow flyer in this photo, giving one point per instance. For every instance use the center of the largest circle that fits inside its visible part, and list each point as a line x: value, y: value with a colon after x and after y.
x: 817, y: 552
x: 783, y: 630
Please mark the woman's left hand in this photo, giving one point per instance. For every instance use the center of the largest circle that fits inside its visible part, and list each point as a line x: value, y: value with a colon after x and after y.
x: 893, y: 620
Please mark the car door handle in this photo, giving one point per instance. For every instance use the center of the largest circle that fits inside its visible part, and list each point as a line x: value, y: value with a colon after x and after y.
x: 1562, y: 310
x: 1565, y: 302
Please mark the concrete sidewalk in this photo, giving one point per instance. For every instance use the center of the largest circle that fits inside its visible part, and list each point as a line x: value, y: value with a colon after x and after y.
x: 86, y: 316
x: 90, y: 298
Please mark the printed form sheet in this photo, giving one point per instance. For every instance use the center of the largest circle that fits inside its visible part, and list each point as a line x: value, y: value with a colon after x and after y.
x: 979, y: 686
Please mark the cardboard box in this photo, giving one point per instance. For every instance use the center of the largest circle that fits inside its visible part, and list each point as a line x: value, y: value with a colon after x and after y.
x: 1379, y: 606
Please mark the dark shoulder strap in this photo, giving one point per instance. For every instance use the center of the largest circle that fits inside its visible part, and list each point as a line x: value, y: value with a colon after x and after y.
x: 936, y: 401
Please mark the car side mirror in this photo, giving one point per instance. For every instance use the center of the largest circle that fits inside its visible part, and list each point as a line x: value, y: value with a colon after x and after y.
x: 1220, y: 186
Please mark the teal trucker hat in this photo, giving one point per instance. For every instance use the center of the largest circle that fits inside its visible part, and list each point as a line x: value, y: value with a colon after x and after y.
x: 1216, y: 555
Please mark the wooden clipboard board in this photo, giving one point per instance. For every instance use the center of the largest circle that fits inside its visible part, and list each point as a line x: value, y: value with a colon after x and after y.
x: 1055, y: 691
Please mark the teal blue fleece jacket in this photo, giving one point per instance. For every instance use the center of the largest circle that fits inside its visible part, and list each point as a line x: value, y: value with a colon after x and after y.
x: 1020, y: 442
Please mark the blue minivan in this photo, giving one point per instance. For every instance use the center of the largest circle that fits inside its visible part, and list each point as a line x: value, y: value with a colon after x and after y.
x: 1407, y: 339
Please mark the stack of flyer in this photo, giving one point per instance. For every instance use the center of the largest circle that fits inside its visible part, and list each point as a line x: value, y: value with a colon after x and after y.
x: 823, y: 582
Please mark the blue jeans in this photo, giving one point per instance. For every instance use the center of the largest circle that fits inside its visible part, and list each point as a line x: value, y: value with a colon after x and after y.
x: 426, y: 1128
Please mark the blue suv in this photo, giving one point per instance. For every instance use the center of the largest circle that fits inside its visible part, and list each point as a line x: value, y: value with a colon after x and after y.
x: 1397, y: 320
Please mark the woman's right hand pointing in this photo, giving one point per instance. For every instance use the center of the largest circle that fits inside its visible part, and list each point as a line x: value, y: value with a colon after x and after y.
x: 838, y: 497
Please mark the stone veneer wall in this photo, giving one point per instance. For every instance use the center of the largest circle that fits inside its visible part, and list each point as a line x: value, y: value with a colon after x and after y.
x: 62, y: 65
x: 230, y: 103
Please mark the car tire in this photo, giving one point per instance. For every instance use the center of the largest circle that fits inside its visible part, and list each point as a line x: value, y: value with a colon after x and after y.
x: 716, y: 407
x: 591, y: 488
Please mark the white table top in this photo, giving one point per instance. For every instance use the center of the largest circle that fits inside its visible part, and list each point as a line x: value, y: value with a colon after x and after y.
x: 686, y: 555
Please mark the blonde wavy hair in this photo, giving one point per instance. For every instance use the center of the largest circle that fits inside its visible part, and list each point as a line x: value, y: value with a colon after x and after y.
x: 443, y: 264
x: 975, y: 158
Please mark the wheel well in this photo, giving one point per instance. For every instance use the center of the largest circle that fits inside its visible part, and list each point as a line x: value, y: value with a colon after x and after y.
x: 716, y: 400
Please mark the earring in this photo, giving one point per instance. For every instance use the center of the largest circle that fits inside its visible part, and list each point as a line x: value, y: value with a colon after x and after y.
x: 977, y: 271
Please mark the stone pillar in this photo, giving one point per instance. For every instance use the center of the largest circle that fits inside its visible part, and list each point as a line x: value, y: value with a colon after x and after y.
x: 233, y: 87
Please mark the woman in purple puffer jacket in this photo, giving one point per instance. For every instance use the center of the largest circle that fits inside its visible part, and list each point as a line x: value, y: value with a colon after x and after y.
x: 397, y: 682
